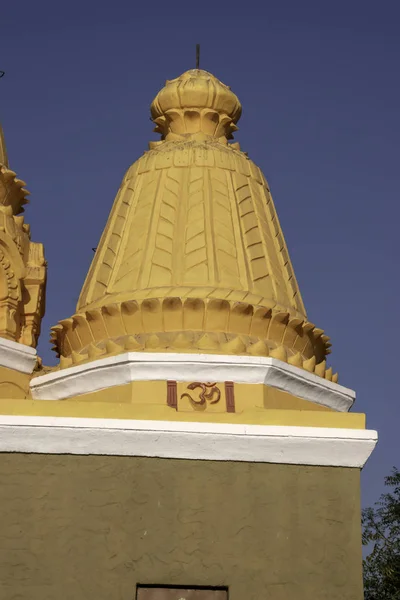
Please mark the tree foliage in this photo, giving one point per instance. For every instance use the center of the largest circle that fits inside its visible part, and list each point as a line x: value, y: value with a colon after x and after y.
x: 381, y: 532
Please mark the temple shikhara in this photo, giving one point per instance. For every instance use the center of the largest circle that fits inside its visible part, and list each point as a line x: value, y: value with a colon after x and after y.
x: 192, y: 442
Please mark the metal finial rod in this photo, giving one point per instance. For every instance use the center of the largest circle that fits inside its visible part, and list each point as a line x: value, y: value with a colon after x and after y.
x: 197, y: 56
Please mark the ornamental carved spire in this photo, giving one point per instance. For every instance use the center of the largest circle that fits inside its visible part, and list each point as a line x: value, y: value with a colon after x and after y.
x: 22, y: 263
x: 193, y: 258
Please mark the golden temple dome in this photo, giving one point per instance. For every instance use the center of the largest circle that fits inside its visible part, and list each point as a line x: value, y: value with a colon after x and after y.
x: 193, y: 258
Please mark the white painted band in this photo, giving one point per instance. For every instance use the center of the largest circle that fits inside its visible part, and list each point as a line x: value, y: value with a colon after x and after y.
x: 194, y: 441
x: 146, y: 366
x: 17, y: 356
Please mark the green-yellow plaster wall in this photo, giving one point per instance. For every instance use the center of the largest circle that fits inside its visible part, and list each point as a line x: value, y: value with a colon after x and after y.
x: 93, y: 527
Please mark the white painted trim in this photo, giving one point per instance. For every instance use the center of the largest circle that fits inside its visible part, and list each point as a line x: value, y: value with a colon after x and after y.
x: 17, y: 356
x: 148, y: 366
x: 194, y: 441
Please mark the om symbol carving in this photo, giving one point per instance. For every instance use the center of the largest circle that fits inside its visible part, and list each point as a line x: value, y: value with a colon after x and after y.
x: 209, y: 391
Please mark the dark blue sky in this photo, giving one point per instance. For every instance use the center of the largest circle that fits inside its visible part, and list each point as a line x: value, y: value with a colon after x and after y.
x: 319, y: 83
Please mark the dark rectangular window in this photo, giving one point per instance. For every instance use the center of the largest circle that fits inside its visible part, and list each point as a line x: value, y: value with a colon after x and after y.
x: 158, y: 592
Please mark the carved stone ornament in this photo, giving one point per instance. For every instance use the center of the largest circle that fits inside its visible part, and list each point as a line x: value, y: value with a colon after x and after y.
x: 207, y: 392
x: 22, y: 262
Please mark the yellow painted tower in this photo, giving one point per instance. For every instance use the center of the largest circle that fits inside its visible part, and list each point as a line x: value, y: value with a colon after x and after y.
x: 193, y: 258
x: 192, y: 439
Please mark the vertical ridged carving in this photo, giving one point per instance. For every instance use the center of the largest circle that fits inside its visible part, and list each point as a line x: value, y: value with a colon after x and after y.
x: 101, y: 269
x: 196, y: 266
x: 224, y: 237
x: 260, y: 199
x: 161, y: 272
x: 136, y: 242
x: 255, y: 250
x: 283, y: 255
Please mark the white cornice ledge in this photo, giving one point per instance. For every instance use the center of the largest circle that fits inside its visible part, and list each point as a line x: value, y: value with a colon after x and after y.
x: 153, y: 366
x: 17, y: 356
x: 193, y: 441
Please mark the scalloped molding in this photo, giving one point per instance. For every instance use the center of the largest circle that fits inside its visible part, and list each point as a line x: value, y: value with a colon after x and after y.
x: 144, y: 366
x: 215, y: 326
x: 17, y: 356
x: 193, y: 441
